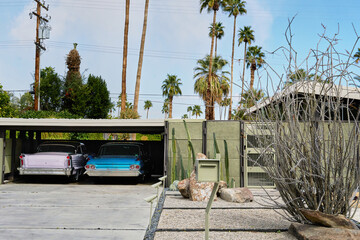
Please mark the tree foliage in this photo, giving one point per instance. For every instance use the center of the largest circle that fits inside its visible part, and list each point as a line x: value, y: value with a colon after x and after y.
x: 51, y: 90
x: 99, y: 101
x: 5, y: 108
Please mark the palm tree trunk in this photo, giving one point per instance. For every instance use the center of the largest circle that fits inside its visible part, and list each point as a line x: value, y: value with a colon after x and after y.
x: 170, y: 106
x: 126, y: 36
x: 232, y: 68
x: 252, y: 76
x: 209, y: 109
x: 147, y: 114
x: 216, y: 46
x: 243, y: 74
x: 141, y: 57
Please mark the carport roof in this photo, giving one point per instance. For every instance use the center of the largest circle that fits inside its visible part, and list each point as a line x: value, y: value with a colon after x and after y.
x: 83, y: 125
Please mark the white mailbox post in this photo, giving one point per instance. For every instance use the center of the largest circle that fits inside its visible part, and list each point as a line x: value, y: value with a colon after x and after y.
x: 208, y: 170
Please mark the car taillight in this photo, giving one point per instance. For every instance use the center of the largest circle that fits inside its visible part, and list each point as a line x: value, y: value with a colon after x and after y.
x: 69, y: 162
x: 138, y: 159
x: 87, y: 166
x: 92, y: 166
x: 134, y: 166
x: 22, y: 162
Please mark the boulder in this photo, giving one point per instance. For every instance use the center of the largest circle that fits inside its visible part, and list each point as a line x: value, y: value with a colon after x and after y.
x: 328, y: 220
x: 200, y: 191
x: 312, y: 232
x: 184, y: 188
x: 222, y: 185
x: 238, y: 195
x: 201, y: 156
x: 173, y: 186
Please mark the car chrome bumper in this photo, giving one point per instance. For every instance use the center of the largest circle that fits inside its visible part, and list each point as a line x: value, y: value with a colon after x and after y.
x: 45, y: 171
x: 112, y: 173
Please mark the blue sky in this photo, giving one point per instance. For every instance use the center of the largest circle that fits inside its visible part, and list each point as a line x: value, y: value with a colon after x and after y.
x: 177, y: 36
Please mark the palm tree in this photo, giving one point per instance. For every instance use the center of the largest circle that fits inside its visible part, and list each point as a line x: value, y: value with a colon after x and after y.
x: 223, y: 104
x: 196, y: 111
x: 147, y: 105
x: 251, y: 97
x: 171, y: 88
x: 165, y: 108
x: 219, y: 33
x: 189, y: 110
x: 357, y: 56
x: 254, y: 59
x: 141, y: 57
x: 245, y: 35
x: 210, y: 5
x: 234, y: 8
x: 126, y: 37
x: 219, y: 83
x: 185, y: 116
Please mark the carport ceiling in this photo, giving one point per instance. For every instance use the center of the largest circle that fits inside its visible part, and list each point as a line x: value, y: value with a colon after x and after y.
x: 84, y: 125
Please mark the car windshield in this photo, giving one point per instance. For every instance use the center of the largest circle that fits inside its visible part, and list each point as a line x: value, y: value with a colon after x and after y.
x: 56, y: 148
x: 129, y: 150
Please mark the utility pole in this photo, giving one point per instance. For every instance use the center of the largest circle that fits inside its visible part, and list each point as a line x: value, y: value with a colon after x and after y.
x: 42, y: 32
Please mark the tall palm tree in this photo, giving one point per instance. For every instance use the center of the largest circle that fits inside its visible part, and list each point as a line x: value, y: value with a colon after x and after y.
x: 171, y: 88
x: 219, y: 83
x: 196, y: 111
x: 147, y: 105
x: 141, y: 57
x: 126, y: 38
x: 245, y: 35
x: 357, y: 56
x: 210, y: 5
x: 234, y: 8
x: 219, y: 33
x: 254, y: 59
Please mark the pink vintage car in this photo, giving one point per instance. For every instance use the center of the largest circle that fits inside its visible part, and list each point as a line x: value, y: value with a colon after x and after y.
x: 55, y: 158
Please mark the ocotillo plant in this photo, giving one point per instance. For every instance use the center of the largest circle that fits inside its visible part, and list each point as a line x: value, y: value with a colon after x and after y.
x: 191, y: 152
x: 227, y: 163
x: 173, y: 164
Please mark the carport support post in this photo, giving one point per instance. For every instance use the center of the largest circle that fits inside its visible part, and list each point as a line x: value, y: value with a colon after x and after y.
x: 13, y: 152
x: 2, y: 156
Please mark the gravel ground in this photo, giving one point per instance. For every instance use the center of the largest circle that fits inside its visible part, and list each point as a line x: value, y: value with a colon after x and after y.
x: 260, y: 201
x: 248, y: 219
x: 224, y: 235
x: 150, y: 231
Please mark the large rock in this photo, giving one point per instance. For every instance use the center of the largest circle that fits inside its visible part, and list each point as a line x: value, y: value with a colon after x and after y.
x: 201, y: 156
x: 239, y: 195
x: 200, y: 191
x: 222, y: 185
x: 174, y: 186
x: 328, y: 220
x: 312, y: 232
x: 184, y: 188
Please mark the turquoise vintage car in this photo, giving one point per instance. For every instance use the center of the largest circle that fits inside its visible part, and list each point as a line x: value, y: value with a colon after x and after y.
x: 118, y: 159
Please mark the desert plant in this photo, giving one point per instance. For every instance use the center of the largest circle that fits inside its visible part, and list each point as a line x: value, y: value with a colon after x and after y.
x: 173, y: 163
x: 227, y: 163
x: 191, y: 152
x: 307, y: 134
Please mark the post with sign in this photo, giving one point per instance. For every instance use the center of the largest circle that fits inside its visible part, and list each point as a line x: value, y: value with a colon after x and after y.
x: 208, y: 170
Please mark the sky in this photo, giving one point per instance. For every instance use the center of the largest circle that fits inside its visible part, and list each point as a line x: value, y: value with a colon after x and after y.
x: 177, y: 36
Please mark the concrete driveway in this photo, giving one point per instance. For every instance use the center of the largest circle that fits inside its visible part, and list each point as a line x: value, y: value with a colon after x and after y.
x: 85, y: 210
